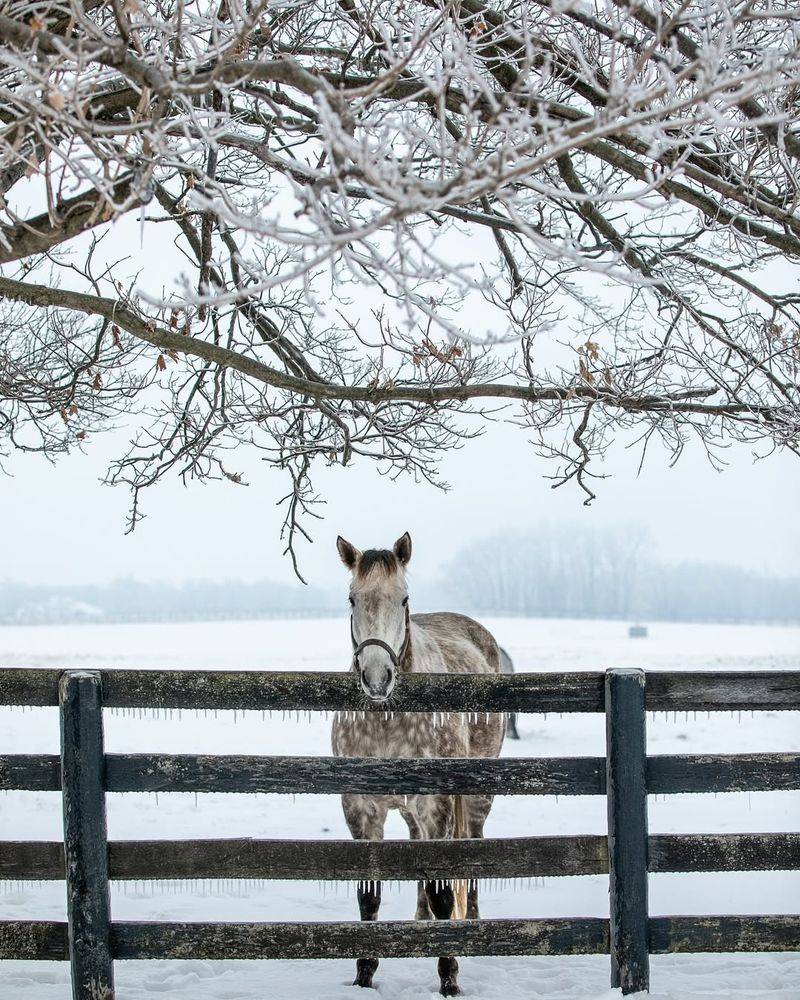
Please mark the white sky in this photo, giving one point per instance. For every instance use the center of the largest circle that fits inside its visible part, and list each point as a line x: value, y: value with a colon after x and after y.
x: 59, y: 524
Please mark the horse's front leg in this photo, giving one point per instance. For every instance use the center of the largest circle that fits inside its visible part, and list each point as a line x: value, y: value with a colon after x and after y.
x: 477, y: 809
x: 441, y: 898
x: 365, y: 816
x: 416, y: 831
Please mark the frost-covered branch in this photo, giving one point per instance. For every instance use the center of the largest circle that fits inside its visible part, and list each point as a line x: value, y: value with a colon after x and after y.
x: 390, y: 216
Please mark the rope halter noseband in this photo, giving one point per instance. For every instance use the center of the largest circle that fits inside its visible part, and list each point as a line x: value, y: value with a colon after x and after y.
x: 396, y: 658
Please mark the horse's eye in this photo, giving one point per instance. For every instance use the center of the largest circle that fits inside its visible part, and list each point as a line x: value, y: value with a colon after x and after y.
x: 405, y: 600
x: 352, y: 602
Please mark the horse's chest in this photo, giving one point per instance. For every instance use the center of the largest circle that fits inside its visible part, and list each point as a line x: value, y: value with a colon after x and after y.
x: 376, y: 735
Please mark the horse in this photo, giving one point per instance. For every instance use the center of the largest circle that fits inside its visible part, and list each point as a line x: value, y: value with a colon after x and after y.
x: 388, y: 641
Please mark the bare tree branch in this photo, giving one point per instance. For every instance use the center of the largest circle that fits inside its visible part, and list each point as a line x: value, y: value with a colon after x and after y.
x: 390, y: 219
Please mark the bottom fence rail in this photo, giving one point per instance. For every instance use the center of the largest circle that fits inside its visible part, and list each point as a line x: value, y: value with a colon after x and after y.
x: 304, y: 940
x: 36, y: 940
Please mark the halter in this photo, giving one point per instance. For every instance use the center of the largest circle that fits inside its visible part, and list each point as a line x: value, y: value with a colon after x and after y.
x: 396, y: 658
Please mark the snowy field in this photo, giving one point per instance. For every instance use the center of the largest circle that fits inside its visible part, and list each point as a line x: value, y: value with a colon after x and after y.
x: 324, y: 645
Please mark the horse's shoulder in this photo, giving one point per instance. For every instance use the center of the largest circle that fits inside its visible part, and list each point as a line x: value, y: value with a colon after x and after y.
x: 449, y: 627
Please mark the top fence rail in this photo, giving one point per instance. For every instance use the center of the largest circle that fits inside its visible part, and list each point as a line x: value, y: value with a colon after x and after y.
x: 244, y: 690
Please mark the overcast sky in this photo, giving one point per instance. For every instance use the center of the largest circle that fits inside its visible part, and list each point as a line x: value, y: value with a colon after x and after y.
x: 59, y: 524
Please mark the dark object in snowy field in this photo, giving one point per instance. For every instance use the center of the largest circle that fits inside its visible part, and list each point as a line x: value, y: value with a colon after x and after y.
x: 507, y: 667
x: 637, y: 632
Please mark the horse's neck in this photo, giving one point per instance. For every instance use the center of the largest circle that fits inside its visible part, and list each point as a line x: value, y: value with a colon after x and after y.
x: 423, y: 655
x: 409, y: 660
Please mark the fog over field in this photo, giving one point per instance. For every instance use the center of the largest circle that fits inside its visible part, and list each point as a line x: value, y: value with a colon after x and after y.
x: 560, y: 571
x: 60, y: 526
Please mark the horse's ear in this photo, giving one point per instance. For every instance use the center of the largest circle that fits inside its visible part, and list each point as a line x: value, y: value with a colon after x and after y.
x: 402, y: 549
x: 349, y: 553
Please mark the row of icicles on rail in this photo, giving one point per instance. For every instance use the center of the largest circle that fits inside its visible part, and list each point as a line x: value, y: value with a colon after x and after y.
x: 439, y: 718
x: 243, y: 887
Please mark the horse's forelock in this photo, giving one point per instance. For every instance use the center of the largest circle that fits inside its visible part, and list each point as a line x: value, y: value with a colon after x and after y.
x: 382, y: 560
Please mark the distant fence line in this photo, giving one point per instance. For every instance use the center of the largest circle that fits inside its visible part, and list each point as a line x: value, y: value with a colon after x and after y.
x: 84, y: 774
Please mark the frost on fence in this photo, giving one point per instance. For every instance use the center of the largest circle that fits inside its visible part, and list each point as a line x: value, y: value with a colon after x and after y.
x: 438, y: 719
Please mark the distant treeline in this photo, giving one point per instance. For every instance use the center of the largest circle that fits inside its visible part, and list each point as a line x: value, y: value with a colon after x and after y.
x: 609, y: 573
x: 565, y: 572
x: 132, y: 600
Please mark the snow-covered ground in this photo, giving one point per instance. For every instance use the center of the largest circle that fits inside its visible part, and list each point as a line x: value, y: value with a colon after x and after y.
x: 323, y: 645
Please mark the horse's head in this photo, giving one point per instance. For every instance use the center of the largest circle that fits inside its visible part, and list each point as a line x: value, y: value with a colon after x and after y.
x: 380, y: 619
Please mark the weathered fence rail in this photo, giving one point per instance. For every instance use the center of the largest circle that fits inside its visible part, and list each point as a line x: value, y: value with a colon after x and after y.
x: 398, y: 860
x: 666, y: 774
x: 84, y: 774
x: 334, y: 691
x: 35, y: 940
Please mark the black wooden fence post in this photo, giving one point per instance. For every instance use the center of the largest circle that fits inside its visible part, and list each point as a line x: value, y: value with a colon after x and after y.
x: 85, y: 838
x: 626, y: 764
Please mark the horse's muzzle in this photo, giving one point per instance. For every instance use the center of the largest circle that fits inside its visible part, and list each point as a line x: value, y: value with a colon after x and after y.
x: 377, y: 681
x: 377, y: 676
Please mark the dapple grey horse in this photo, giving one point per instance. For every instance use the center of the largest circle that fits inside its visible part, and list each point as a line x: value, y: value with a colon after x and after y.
x: 388, y: 641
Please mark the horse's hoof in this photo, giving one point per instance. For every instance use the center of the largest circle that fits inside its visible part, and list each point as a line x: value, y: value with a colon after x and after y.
x: 450, y: 988
x: 364, y: 981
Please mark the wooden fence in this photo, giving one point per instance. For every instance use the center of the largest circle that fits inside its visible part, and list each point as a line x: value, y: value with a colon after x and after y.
x: 83, y: 773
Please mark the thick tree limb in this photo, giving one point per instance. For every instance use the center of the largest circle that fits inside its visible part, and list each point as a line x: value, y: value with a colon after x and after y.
x: 166, y: 340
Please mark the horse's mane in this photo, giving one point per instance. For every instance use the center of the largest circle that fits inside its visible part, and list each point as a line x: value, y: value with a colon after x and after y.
x: 382, y: 559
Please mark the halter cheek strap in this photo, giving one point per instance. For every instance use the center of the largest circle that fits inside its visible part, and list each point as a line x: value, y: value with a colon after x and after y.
x: 396, y: 658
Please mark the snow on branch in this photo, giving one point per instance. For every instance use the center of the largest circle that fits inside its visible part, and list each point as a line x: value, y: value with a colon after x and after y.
x: 390, y: 215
